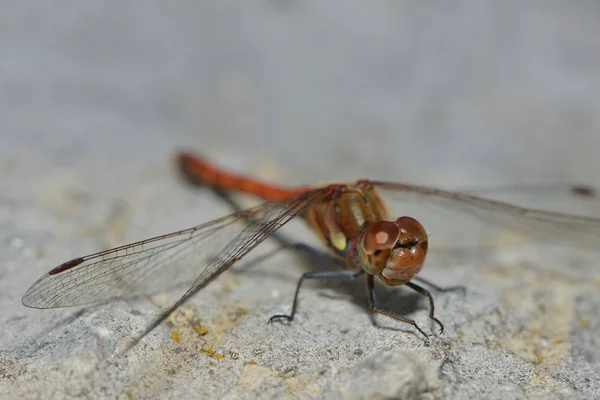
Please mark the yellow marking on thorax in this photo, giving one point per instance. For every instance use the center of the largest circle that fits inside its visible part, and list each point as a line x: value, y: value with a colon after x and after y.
x: 357, y: 213
x: 338, y: 240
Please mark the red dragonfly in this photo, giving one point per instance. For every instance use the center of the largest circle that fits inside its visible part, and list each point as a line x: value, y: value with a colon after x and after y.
x: 350, y: 219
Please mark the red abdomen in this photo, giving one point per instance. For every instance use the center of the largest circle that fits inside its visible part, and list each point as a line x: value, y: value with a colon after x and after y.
x: 200, y: 171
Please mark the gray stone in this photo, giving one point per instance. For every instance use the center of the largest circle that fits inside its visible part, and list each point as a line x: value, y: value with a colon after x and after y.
x: 96, y: 97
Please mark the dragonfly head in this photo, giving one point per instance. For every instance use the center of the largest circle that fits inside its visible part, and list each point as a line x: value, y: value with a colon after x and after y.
x: 394, y: 250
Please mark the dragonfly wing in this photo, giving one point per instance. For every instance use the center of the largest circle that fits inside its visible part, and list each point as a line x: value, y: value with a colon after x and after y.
x: 156, y: 264
x: 537, y: 224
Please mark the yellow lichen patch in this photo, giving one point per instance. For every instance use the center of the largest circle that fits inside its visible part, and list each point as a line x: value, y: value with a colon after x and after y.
x: 542, y: 385
x: 194, y: 334
x: 211, y: 353
x: 583, y: 322
x: 597, y: 280
x: 226, y: 288
x: 190, y: 332
x: 530, y: 277
x: 200, y: 330
x: 297, y: 384
x: 252, y: 374
x: 198, y: 335
x: 183, y: 327
x: 506, y: 238
x: 543, y: 339
x: 230, y: 318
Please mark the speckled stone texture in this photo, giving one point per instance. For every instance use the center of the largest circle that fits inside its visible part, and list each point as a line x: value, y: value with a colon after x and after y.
x: 96, y: 97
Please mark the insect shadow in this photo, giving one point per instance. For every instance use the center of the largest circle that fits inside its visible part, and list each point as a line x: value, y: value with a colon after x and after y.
x: 400, y: 302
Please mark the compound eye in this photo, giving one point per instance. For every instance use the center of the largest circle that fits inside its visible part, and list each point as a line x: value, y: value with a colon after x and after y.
x: 412, y: 230
x: 381, y: 235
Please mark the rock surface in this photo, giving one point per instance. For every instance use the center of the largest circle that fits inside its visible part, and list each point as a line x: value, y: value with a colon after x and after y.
x: 97, y: 96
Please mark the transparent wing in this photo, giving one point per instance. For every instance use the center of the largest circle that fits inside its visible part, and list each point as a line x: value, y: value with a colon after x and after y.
x: 149, y: 266
x: 537, y: 224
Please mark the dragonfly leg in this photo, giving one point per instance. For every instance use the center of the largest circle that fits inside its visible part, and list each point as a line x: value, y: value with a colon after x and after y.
x: 375, y: 308
x: 314, y: 275
x: 426, y: 293
x: 440, y: 289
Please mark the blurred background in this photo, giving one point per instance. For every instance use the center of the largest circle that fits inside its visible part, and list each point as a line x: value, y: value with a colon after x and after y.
x: 96, y: 97
x: 452, y: 94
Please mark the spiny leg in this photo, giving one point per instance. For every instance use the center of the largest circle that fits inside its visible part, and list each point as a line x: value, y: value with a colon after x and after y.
x: 440, y: 289
x: 375, y: 307
x: 285, y: 243
x: 314, y: 275
x: 425, y: 292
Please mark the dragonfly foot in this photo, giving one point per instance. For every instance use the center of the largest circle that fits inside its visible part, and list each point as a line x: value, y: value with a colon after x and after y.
x: 439, y: 323
x: 289, y: 318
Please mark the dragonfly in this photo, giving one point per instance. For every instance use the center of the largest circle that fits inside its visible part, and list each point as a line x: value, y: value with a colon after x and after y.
x: 350, y: 219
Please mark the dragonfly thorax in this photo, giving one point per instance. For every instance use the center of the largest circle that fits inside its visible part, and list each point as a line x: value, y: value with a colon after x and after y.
x: 341, y: 218
x: 353, y: 223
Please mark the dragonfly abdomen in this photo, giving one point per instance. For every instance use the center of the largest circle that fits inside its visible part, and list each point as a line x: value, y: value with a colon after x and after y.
x: 200, y: 171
